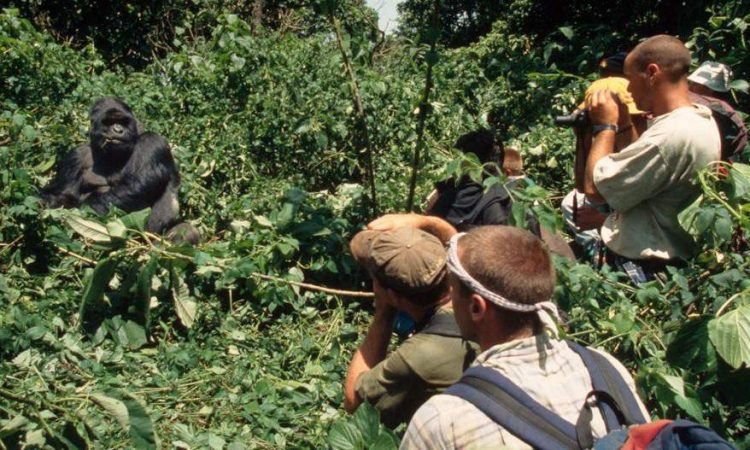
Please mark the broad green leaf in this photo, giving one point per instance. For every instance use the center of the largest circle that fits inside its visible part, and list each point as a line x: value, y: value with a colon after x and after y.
x: 567, y: 32
x: 690, y: 405
x: 141, y: 307
x: 13, y: 426
x: 136, y: 220
x: 88, y: 229
x: 135, y: 333
x: 116, y: 229
x: 35, y: 439
x: 263, y: 221
x: 385, y: 441
x: 285, y: 215
x: 367, y: 421
x: 142, y: 433
x: 740, y: 85
x: 730, y: 334
x: 184, y: 305
x: 688, y: 215
x: 115, y: 407
x: 740, y: 178
x: 92, y: 294
x: 345, y: 436
x: 691, y: 348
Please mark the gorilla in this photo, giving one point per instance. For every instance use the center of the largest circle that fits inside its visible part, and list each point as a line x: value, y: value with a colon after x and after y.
x: 123, y: 167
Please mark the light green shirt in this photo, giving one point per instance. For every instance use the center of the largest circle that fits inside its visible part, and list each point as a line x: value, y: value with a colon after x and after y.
x: 652, y: 180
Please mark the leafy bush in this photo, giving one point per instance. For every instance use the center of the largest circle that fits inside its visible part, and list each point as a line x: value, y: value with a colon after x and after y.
x: 111, y: 337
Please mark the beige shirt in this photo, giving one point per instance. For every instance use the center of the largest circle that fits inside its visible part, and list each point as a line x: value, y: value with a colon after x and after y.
x: 652, y: 180
x: 547, y: 369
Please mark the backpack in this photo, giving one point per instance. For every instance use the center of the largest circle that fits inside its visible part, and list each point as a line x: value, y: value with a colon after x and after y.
x: 731, y: 129
x: 510, y: 407
x: 468, y: 204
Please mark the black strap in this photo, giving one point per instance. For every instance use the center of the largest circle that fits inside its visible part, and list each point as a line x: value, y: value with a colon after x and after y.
x: 508, y: 405
x: 605, y: 377
x: 584, y: 433
x: 511, y: 407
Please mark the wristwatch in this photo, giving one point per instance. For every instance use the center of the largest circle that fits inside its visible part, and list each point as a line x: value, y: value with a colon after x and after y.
x: 607, y: 126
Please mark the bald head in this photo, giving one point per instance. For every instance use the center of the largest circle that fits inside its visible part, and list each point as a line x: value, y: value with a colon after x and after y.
x: 667, y: 52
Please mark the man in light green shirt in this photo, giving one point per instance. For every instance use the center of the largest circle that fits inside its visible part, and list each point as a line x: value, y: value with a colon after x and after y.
x: 652, y: 180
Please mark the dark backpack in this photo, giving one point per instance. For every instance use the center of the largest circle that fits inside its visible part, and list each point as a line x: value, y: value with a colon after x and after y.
x: 512, y: 408
x: 467, y: 204
x: 731, y: 128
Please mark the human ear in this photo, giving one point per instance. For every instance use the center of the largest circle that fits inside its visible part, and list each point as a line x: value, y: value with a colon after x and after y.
x: 477, y: 307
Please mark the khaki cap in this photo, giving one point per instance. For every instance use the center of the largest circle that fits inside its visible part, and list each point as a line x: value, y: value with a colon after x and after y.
x: 405, y: 259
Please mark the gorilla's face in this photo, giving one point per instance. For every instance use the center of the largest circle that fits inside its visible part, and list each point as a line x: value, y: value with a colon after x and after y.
x: 113, y: 128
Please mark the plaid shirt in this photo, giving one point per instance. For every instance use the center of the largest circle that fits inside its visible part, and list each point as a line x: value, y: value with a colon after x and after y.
x: 547, y: 369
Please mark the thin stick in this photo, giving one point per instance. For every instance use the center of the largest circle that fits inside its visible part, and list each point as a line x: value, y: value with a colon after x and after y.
x: 77, y: 256
x: 729, y: 301
x: 364, y: 141
x: 308, y: 286
x: 313, y: 287
x: 423, y: 105
x: 7, y: 246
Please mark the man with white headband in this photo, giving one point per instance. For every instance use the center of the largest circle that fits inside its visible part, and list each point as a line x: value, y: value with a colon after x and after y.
x: 502, y: 280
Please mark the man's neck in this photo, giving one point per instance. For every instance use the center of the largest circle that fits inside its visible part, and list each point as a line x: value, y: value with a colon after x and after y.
x: 491, y: 339
x: 670, y: 98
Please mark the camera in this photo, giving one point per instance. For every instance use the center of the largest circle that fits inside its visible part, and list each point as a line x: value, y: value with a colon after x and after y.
x: 579, y: 119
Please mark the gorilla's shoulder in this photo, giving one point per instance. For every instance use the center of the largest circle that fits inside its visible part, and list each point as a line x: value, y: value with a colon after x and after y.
x: 153, y: 143
x: 154, y: 140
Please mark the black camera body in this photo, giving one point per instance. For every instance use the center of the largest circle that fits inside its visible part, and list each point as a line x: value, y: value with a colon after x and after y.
x: 579, y: 119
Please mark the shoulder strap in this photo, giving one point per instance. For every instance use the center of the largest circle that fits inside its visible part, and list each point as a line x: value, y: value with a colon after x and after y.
x: 605, y: 377
x: 512, y: 408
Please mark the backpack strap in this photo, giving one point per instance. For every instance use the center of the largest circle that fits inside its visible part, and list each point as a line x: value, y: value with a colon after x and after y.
x: 509, y: 406
x: 605, y: 377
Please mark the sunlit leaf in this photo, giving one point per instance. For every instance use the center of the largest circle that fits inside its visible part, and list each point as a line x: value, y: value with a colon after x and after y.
x: 730, y: 334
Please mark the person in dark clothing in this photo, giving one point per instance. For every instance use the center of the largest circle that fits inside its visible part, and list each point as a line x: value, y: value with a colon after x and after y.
x: 465, y: 203
x: 709, y: 85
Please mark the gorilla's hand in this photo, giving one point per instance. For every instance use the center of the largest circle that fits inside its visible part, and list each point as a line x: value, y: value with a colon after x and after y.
x: 91, y: 181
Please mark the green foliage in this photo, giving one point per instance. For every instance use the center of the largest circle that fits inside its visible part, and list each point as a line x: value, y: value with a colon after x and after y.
x: 363, y: 431
x: 111, y: 337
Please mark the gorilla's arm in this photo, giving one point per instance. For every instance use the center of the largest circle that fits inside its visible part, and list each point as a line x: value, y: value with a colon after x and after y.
x: 65, y: 188
x: 149, y: 176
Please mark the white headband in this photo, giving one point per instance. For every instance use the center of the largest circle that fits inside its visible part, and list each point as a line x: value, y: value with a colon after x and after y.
x: 547, y: 311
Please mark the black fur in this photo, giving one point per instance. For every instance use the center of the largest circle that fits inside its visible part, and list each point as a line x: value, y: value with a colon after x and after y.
x: 121, y: 166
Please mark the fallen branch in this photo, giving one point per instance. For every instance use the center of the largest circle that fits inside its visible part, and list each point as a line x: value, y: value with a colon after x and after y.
x: 313, y: 287
x: 308, y: 286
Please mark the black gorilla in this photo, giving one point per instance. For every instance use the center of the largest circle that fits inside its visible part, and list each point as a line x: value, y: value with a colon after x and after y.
x: 124, y: 167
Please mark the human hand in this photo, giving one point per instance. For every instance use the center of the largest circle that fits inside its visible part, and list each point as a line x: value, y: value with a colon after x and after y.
x: 385, y: 309
x: 589, y: 218
x: 604, y: 108
x: 392, y: 221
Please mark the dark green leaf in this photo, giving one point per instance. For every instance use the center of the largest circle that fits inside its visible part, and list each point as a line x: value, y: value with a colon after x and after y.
x: 142, y: 433
x: 691, y: 348
x: 92, y: 294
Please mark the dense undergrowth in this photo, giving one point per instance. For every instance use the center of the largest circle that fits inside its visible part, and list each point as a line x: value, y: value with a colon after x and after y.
x: 109, y: 338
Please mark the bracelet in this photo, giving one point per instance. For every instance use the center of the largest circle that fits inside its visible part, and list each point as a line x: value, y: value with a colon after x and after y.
x: 595, y: 129
x: 622, y: 130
